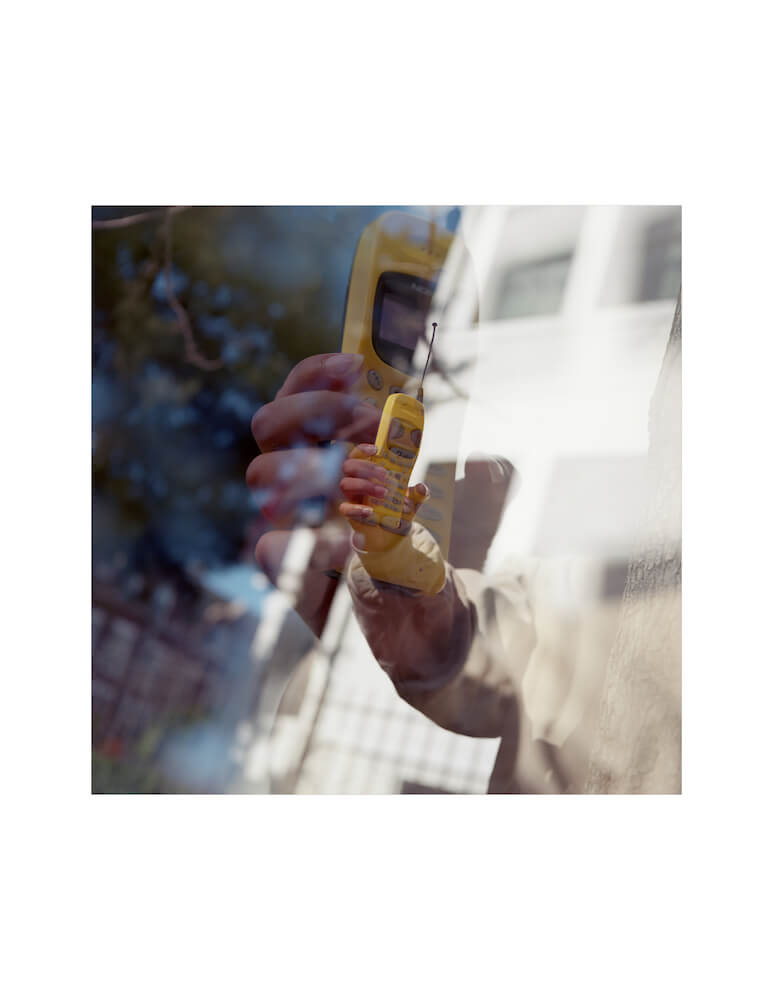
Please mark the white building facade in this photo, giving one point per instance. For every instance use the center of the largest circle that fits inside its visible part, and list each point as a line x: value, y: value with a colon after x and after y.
x: 552, y: 329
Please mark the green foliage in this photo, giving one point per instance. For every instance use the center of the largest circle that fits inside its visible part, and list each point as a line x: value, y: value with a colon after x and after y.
x: 171, y: 438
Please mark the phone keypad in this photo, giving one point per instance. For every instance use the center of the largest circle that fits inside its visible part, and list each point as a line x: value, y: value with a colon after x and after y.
x: 398, y: 463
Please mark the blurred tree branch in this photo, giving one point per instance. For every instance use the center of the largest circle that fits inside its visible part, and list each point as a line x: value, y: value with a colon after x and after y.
x: 130, y: 220
x: 192, y: 353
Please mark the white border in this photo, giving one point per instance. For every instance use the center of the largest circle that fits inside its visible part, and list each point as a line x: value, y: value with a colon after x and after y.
x: 421, y: 896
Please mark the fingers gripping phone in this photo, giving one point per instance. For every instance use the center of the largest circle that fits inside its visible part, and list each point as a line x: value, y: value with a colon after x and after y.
x: 394, y: 275
x: 397, y: 448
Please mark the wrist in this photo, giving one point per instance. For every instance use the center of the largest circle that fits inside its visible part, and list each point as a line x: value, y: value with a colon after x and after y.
x: 411, y: 562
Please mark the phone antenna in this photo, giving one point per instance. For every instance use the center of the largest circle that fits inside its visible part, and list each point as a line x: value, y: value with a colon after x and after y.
x: 420, y: 392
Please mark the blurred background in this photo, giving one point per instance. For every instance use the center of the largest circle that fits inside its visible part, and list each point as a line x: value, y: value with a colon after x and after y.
x: 553, y: 327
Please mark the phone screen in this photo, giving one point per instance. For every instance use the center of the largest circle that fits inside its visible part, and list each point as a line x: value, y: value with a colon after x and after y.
x: 400, y: 311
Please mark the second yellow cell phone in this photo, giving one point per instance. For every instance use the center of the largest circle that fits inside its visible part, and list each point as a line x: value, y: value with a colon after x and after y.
x: 397, y: 444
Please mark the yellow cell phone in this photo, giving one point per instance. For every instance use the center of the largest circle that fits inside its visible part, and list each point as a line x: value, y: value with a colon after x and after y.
x: 397, y: 444
x: 395, y: 271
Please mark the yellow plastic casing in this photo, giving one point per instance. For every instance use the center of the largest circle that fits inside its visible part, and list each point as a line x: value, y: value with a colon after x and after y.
x: 385, y: 546
x: 400, y: 243
x: 397, y: 443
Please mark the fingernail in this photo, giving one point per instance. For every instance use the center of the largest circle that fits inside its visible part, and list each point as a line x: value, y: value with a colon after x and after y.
x: 358, y: 540
x: 378, y: 491
x: 368, y: 449
x: 343, y: 364
x: 421, y: 488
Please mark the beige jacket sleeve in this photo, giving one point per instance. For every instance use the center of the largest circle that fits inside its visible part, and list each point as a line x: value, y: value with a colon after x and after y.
x: 457, y: 656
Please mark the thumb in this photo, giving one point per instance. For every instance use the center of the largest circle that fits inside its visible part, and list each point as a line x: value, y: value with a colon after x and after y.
x: 415, y: 498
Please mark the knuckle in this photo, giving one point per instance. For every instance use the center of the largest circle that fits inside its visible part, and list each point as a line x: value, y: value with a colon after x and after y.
x: 261, y: 471
x: 252, y: 473
x: 262, y: 553
x: 260, y: 423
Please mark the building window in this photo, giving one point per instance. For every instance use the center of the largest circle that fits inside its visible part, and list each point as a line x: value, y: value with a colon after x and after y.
x: 645, y: 263
x: 533, y: 288
x: 661, y: 273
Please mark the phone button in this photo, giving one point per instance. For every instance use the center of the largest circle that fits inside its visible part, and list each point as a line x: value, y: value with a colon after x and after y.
x: 375, y: 381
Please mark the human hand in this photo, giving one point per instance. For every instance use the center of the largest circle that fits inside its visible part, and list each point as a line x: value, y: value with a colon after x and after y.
x: 365, y: 483
x: 296, y: 481
x: 402, y: 558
